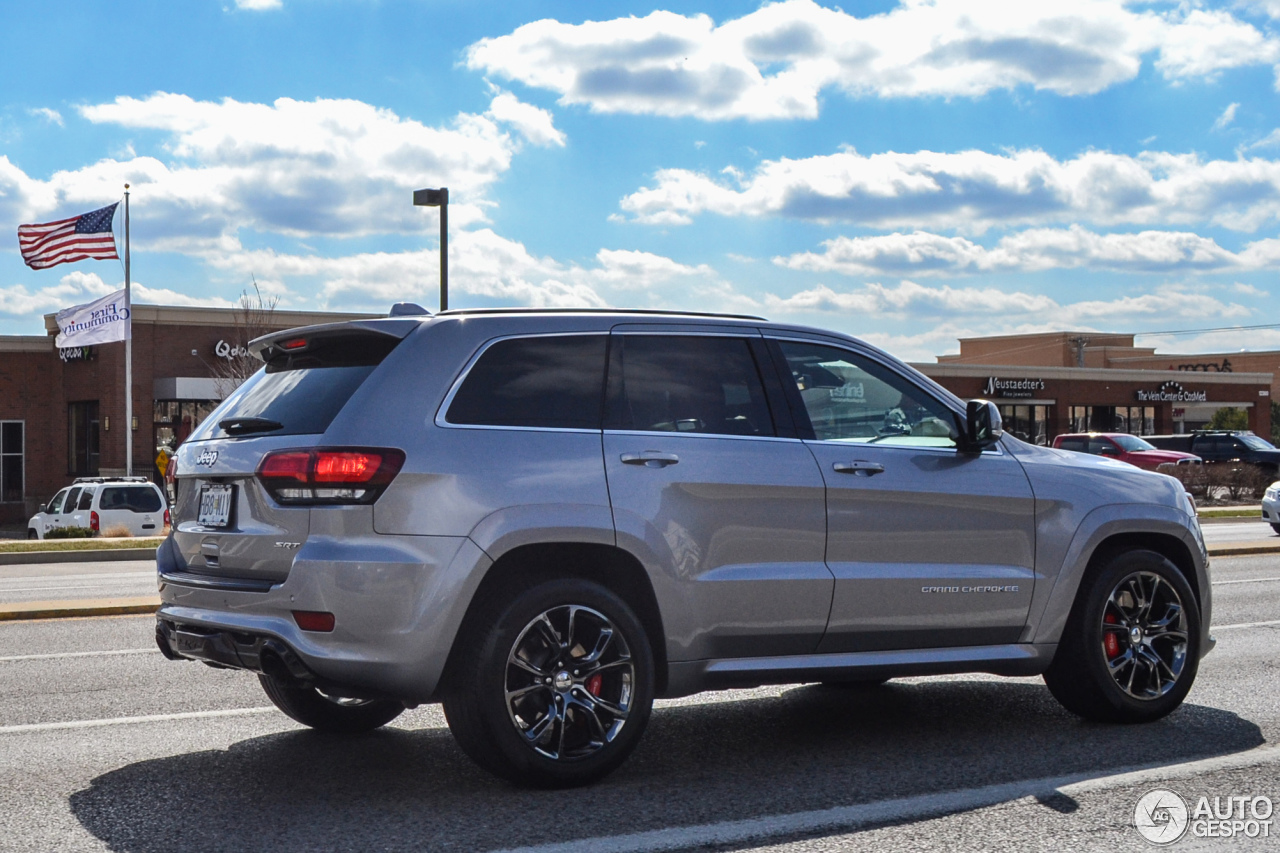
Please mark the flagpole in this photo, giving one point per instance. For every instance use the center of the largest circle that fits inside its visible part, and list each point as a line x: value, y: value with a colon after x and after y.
x: 128, y: 349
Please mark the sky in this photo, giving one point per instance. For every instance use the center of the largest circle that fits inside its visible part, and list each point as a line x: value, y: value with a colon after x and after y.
x: 908, y: 172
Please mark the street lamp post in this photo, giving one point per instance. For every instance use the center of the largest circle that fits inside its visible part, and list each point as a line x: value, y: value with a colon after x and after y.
x: 439, y: 198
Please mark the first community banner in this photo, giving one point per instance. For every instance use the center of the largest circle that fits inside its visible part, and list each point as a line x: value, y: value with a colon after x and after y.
x: 99, y: 322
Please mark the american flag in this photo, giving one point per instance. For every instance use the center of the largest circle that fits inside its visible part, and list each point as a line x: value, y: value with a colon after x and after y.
x: 79, y: 238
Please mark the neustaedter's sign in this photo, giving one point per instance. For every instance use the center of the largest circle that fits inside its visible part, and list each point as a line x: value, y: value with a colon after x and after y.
x: 997, y: 387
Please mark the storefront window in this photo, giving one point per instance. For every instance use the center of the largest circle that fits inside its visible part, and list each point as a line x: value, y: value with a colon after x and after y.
x: 1135, y: 420
x: 1029, y: 423
x: 11, y: 461
x: 82, y: 438
x: 174, y: 420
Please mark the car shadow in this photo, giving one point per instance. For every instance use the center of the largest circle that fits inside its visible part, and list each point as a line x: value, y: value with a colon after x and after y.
x: 811, y: 747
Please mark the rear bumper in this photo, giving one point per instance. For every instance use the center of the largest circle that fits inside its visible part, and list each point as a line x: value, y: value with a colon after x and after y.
x: 397, y: 603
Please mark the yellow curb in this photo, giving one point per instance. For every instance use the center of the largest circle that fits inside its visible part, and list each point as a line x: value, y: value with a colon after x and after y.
x: 1242, y: 549
x: 79, y: 607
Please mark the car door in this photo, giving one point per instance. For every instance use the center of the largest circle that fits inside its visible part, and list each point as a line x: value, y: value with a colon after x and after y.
x: 78, y: 515
x: 45, y: 520
x: 725, y: 508
x: 930, y: 547
x: 66, y: 516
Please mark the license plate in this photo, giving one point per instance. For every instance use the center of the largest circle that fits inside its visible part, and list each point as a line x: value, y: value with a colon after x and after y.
x: 215, y: 505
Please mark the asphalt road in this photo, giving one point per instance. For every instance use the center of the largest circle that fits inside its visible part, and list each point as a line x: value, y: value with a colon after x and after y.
x: 61, y: 581
x: 1220, y: 532
x: 104, y: 745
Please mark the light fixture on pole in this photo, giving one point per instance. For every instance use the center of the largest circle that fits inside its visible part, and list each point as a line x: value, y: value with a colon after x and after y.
x: 439, y: 198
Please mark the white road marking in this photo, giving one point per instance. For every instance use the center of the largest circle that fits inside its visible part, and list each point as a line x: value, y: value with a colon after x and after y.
x: 1246, y: 625
x: 1246, y: 580
x: 57, y: 655
x: 844, y: 818
x: 124, y: 721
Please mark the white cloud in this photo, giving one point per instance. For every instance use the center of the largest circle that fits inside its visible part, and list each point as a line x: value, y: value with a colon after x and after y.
x: 1228, y: 116
x: 259, y: 5
x: 921, y: 253
x: 776, y: 61
x: 79, y: 286
x: 531, y: 122
x: 338, y: 168
x: 485, y: 265
x: 991, y: 307
x: 50, y: 115
x: 974, y: 190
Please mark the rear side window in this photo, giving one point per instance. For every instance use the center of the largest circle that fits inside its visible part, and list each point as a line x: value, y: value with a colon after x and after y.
x: 552, y: 382
x: 299, y: 393
x: 678, y: 383
x: 1079, y: 445
x: 133, y: 498
x: 86, y: 499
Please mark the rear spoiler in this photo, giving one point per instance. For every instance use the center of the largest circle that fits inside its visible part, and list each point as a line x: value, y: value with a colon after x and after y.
x: 268, y: 346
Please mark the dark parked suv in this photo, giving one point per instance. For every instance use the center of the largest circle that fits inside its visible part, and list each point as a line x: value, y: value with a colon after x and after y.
x: 545, y: 519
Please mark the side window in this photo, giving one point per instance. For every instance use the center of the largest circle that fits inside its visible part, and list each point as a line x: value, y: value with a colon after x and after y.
x: 1103, y: 447
x: 851, y: 398
x: 686, y: 383
x: 70, y: 505
x: 55, y: 504
x: 86, y: 499
x: 549, y: 382
x: 1079, y: 445
x: 133, y: 498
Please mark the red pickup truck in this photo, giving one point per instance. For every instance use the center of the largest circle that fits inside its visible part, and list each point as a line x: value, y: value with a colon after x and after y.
x: 1125, y: 447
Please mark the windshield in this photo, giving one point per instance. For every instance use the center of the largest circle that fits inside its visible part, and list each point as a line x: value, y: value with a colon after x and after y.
x: 1131, y: 443
x: 1254, y: 443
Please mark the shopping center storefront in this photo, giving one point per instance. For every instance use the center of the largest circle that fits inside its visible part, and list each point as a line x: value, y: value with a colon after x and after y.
x: 62, y: 412
x: 1039, y: 403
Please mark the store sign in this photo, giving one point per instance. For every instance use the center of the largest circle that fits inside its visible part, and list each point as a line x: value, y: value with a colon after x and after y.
x: 1171, y: 392
x: 1209, y: 367
x: 222, y: 349
x: 76, y: 354
x: 997, y: 387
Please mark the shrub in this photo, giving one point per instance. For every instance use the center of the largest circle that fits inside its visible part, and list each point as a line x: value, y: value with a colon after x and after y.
x: 70, y: 533
x: 117, y: 531
x: 1239, y: 480
x: 1229, y: 418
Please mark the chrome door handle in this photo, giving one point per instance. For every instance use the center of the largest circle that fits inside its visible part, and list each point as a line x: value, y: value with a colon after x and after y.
x: 859, y: 467
x: 650, y: 459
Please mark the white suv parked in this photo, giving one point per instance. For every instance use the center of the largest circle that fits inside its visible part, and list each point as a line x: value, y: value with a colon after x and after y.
x: 101, y: 503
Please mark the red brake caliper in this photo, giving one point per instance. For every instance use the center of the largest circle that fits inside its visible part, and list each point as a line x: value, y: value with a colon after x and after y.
x: 593, y: 684
x: 1109, y: 641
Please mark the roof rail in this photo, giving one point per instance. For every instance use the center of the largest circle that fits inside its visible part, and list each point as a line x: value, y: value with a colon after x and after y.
x: 109, y: 480
x: 654, y: 311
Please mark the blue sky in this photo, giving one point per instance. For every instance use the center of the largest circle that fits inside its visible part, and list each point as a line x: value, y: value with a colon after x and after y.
x: 910, y: 172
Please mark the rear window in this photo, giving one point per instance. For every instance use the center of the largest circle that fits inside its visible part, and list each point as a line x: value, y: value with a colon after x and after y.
x: 302, y: 392
x: 133, y: 498
x: 552, y: 382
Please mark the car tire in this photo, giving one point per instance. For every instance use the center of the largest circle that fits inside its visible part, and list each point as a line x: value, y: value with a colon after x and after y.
x: 1276, y: 528
x: 1131, y: 646
x: 329, y: 713
x: 31, y: 533
x: 552, y: 684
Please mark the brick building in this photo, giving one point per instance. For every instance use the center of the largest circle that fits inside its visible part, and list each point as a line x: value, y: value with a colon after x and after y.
x: 62, y: 412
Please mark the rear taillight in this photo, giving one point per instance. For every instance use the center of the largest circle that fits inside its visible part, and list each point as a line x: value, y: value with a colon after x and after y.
x: 168, y: 522
x: 94, y: 523
x: 329, y: 475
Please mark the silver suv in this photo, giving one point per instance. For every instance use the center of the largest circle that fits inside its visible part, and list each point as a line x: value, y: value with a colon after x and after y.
x: 546, y: 519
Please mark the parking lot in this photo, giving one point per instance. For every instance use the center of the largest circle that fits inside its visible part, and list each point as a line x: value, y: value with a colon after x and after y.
x: 111, y: 747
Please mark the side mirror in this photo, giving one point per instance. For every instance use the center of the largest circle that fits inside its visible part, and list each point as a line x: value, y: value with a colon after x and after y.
x: 983, y: 426
x: 1108, y: 450
x: 41, y: 509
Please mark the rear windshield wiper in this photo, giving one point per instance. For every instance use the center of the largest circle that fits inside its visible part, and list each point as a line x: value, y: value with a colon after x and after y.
x: 244, y: 426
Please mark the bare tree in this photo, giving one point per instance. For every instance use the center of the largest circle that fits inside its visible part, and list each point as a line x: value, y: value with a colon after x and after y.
x: 232, y: 362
